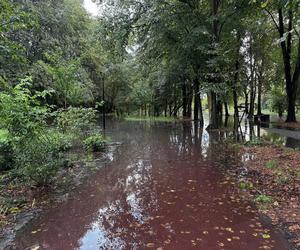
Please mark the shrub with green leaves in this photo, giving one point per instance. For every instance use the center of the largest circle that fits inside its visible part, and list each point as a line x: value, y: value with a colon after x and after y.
x: 94, y: 142
x: 33, y: 148
x: 78, y: 121
x: 39, y: 158
x: 6, y: 152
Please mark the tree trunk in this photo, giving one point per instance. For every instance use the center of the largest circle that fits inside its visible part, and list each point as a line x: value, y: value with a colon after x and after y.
x: 291, y: 81
x: 252, y: 81
x: 259, y: 113
x: 189, y: 102
x: 201, y: 119
x: 213, y: 117
x: 220, y: 108
x: 196, y: 100
x: 236, y: 76
x: 246, y: 101
x: 226, y: 109
x: 184, y: 100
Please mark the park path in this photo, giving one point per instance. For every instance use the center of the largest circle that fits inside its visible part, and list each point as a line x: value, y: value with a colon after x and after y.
x: 164, y: 188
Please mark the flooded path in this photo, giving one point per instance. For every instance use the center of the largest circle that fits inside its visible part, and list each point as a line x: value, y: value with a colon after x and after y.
x: 164, y: 189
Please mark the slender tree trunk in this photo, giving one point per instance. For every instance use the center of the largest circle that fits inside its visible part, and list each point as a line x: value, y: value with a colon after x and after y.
x: 184, y: 100
x: 226, y: 109
x: 201, y: 119
x: 252, y: 81
x: 246, y: 101
x: 213, y: 116
x: 259, y: 88
x: 236, y: 76
x: 196, y: 99
x: 190, y: 101
x: 220, y: 108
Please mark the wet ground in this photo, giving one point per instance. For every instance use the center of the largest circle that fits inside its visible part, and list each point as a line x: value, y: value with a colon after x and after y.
x: 164, y: 189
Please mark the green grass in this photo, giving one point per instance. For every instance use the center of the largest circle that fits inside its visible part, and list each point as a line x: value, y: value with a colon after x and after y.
x: 271, y: 164
x: 151, y: 118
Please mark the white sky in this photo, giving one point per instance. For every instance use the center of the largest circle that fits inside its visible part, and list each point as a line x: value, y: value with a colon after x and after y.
x: 91, y: 7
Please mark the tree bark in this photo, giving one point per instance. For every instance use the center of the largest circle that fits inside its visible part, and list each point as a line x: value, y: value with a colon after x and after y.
x: 236, y: 76
x: 226, y: 109
x: 213, y: 117
x: 252, y: 81
x: 196, y: 99
x: 246, y: 101
x: 201, y: 119
x: 189, y: 102
x: 291, y: 80
x: 259, y: 87
x: 184, y: 100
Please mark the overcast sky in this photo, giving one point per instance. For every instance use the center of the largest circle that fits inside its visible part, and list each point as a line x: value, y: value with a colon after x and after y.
x: 91, y: 7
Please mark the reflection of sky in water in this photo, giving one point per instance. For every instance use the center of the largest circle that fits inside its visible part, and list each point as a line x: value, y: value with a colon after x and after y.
x: 136, y: 209
x: 97, y: 237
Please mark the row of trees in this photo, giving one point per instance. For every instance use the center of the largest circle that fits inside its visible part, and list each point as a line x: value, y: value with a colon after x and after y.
x: 231, y: 51
x: 156, y: 57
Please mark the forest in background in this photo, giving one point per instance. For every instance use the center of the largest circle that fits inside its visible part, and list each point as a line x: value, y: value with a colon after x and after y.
x: 160, y: 57
x: 59, y: 66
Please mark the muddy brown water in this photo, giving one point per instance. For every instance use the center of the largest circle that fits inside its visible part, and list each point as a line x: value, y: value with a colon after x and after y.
x: 164, y: 189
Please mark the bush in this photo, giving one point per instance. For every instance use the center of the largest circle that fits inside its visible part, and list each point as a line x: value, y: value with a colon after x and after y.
x: 94, y: 142
x: 6, y: 151
x: 30, y: 146
x: 78, y: 121
x: 278, y: 101
x: 39, y: 158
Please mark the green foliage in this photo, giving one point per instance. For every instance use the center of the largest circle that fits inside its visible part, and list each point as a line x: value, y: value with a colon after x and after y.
x: 29, y: 145
x: 68, y: 78
x: 39, y: 158
x: 94, y: 142
x: 277, y: 101
x: 262, y: 198
x: 246, y: 185
x: 254, y: 142
x: 77, y: 121
x: 21, y: 113
x: 271, y: 164
x: 6, y: 152
x: 283, y: 179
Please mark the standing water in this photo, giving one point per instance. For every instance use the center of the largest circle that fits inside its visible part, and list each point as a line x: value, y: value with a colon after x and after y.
x: 164, y: 189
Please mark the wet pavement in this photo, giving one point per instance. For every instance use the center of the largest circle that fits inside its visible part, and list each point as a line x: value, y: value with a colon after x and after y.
x: 165, y: 188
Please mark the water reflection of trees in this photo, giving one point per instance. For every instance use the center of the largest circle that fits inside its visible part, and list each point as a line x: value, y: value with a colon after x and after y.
x: 116, y: 205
